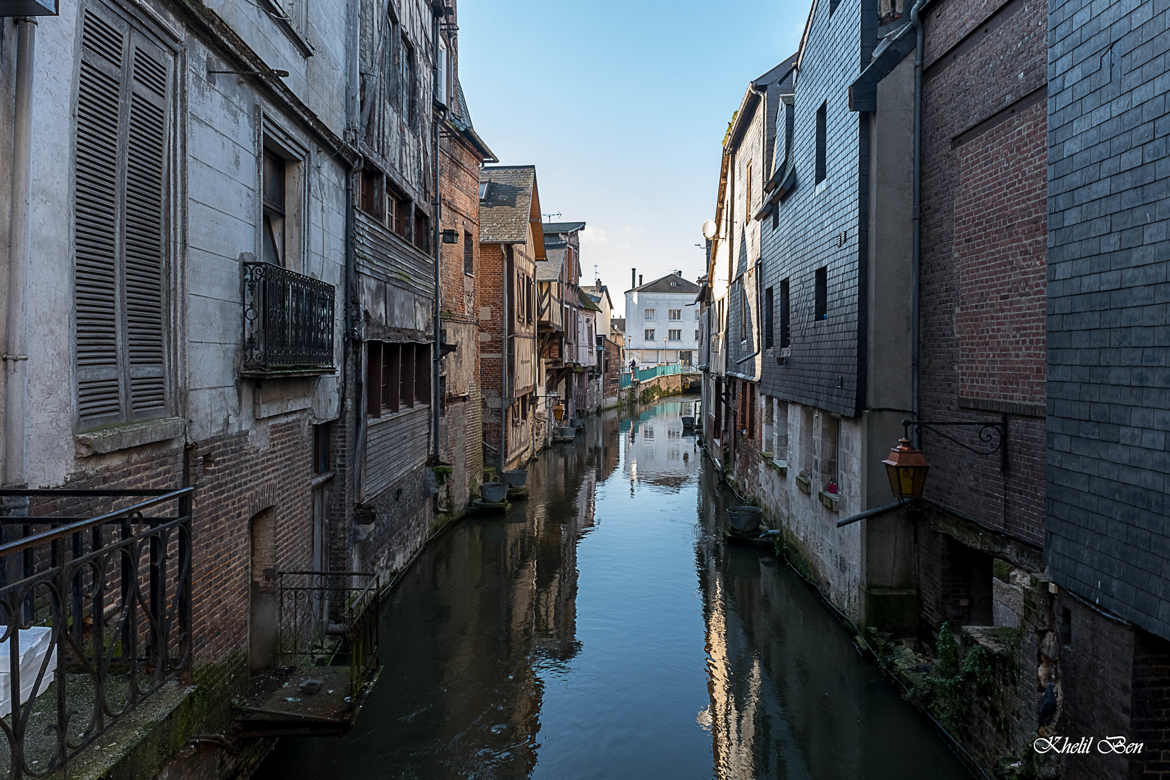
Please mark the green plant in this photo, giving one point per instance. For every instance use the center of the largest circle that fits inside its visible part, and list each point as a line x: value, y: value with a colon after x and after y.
x: 953, y: 673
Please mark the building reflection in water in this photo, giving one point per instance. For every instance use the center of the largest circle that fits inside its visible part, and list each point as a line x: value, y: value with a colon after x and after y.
x: 567, y: 638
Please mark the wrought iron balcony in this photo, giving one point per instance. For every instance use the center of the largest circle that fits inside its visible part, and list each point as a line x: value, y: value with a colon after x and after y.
x: 95, y: 615
x: 288, y: 322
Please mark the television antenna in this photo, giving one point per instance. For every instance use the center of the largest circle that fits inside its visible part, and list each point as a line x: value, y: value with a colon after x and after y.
x: 548, y: 217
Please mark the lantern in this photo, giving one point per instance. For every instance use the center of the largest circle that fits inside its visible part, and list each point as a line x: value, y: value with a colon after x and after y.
x: 559, y: 412
x: 906, y: 467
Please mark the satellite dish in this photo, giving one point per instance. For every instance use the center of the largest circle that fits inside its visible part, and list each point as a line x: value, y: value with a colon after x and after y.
x: 709, y: 229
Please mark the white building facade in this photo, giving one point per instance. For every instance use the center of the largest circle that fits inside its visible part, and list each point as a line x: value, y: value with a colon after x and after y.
x: 662, y: 322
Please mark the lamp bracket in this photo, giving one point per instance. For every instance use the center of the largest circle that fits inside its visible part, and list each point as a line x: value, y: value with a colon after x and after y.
x: 993, y: 435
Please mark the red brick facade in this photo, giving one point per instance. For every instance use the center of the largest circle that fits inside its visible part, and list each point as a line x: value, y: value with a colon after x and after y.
x: 982, y: 288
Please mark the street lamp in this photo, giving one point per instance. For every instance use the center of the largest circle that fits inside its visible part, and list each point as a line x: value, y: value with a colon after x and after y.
x: 906, y: 466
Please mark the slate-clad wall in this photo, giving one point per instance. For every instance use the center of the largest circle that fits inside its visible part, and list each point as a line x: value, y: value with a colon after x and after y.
x: 823, y: 368
x: 1108, y: 342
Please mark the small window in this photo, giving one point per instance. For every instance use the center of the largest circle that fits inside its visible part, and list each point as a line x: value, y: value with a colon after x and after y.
x: 406, y: 376
x: 468, y: 254
x: 743, y: 312
x: 321, y: 436
x: 820, y: 162
x: 391, y: 366
x: 409, y: 82
x: 833, y: 6
x: 696, y: 335
x: 775, y: 216
x: 830, y: 429
x: 422, y: 374
x: 768, y: 318
x: 806, y: 440
x: 675, y: 314
x: 374, y: 378
x: 785, y: 332
x: 649, y: 334
x: 273, y: 241
x: 822, y: 294
x: 422, y: 231
x: 780, y: 430
x: 399, y: 215
x: 674, y: 335
x: 372, y: 194
x: 649, y: 314
x: 747, y: 190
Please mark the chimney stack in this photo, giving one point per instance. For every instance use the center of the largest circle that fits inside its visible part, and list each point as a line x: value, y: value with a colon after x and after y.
x: 639, y: 280
x: 633, y: 278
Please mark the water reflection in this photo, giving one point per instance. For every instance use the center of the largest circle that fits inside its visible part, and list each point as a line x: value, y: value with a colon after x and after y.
x: 571, y: 638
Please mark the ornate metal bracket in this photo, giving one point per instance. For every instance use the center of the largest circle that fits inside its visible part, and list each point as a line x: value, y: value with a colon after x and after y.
x: 993, y: 435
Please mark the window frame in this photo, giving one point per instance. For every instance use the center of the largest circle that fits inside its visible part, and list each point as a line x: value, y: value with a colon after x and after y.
x: 821, y: 171
x: 821, y: 294
x: 468, y: 253
x: 275, y: 139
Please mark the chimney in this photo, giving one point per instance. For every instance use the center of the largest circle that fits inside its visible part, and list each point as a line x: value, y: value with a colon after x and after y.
x: 633, y: 278
x: 639, y: 280
x: 678, y: 273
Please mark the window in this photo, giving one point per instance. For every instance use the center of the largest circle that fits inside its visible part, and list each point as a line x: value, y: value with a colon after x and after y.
x: 747, y: 190
x: 820, y: 172
x: 674, y: 335
x: 785, y: 331
x: 422, y: 231
x: 406, y: 375
x: 768, y: 422
x: 397, y: 376
x: 124, y: 107
x: 768, y: 318
x: 696, y: 334
x: 675, y: 314
x: 648, y: 314
x: 372, y: 194
x: 830, y: 428
x: 649, y: 334
x: 409, y: 82
x: 273, y: 240
x: 780, y: 430
x: 806, y: 440
x: 398, y: 211
x: 321, y: 435
x: 468, y: 254
x: 821, y: 292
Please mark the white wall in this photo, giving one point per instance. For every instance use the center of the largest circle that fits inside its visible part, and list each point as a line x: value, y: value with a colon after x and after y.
x: 637, y: 323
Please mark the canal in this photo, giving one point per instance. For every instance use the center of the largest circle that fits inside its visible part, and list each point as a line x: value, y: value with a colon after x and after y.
x: 603, y: 629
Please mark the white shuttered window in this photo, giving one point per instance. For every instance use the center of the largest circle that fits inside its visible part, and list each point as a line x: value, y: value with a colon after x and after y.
x: 120, y: 197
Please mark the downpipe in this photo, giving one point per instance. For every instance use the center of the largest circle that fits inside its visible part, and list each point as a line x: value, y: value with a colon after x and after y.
x: 15, y: 350
x: 436, y: 351
x: 916, y: 213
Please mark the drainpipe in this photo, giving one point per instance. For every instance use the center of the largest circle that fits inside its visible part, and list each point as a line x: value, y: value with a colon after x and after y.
x: 505, y: 388
x: 916, y: 216
x: 352, y: 339
x: 15, y: 357
x: 436, y: 352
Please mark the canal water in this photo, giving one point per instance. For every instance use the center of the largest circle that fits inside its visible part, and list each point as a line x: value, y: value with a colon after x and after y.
x: 603, y: 629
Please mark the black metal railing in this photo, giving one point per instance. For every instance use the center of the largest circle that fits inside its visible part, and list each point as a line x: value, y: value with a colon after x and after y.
x: 288, y: 321
x: 95, y: 614
x: 328, y: 618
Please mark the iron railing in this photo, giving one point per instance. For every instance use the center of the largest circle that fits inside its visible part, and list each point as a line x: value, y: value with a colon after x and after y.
x: 95, y: 614
x: 328, y: 618
x: 288, y: 321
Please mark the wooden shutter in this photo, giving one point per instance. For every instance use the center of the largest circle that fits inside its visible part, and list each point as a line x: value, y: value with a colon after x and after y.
x: 103, y: 46
x: 120, y: 199
x: 145, y: 193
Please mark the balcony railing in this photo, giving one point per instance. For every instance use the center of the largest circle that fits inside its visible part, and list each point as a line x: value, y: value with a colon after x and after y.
x: 288, y: 322
x: 327, y: 631
x: 95, y: 615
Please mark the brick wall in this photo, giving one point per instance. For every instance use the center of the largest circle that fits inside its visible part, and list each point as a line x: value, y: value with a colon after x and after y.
x: 818, y: 223
x: 1151, y: 707
x: 982, y: 283
x: 1108, y: 260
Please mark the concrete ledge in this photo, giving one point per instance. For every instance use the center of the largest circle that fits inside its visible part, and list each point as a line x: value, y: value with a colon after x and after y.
x: 126, y: 436
x: 139, y: 744
x: 273, y: 398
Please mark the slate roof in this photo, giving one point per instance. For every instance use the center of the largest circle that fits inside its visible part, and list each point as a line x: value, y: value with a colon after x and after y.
x: 550, y: 269
x: 598, y: 291
x: 587, y: 301
x: 671, y: 283
x: 505, y: 207
x: 563, y: 227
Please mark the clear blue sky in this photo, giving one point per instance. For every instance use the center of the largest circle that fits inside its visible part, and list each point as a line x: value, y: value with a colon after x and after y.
x: 622, y: 107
